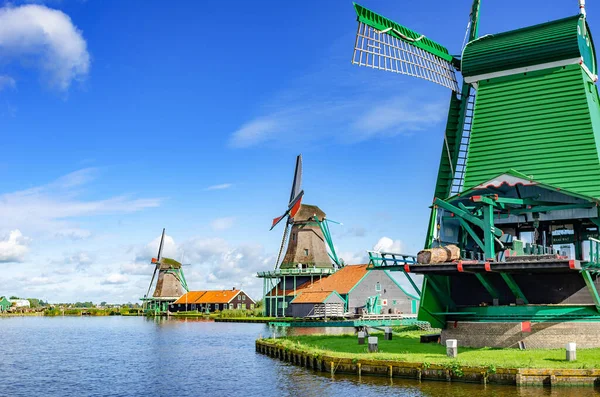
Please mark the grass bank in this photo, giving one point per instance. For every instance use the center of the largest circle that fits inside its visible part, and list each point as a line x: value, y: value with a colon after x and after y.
x: 406, y: 347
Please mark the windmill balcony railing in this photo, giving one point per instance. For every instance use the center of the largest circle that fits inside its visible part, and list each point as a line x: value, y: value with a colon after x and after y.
x: 594, y: 262
x: 383, y: 259
x: 296, y: 272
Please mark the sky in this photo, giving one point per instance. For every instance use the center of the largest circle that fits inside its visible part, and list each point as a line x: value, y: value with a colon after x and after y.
x: 119, y: 118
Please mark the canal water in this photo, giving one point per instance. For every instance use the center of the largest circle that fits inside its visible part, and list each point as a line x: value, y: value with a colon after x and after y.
x: 136, y: 356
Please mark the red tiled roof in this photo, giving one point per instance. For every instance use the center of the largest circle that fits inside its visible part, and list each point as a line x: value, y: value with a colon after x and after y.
x: 312, y: 297
x: 215, y: 296
x: 341, y: 281
x: 223, y: 296
x: 190, y: 297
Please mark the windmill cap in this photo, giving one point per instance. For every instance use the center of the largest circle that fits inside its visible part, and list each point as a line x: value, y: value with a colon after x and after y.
x: 308, y: 212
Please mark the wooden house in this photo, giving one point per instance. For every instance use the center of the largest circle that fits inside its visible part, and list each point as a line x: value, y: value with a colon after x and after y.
x: 4, y: 304
x: 211, y: 301
x: 354, y: 286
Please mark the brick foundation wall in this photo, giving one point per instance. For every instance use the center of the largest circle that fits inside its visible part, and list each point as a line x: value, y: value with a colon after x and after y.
x: 548, y: 335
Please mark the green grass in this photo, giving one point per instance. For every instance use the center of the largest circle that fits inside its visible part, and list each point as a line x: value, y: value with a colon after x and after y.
x: 406, y: 347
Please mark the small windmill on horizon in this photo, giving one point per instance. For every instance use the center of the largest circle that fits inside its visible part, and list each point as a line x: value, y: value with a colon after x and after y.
x: 170, y: 283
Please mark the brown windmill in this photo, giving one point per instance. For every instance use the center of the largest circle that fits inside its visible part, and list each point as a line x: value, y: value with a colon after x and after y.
x: 170, y: 284
x: 310, y: 253
x: 307, y: 246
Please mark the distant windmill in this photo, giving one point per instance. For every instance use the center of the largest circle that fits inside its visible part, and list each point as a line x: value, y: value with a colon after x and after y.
x: 310, y: 253
x: 170, y: 284
x: 306, y: 229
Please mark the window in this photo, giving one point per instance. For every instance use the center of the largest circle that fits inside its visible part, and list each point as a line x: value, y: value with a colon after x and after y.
x: 224, y: 306
x: 378, y: 287
x: 216, y: 306
x: 306, y: 252
x: 239, y: 305
x: 252, y: 306
x: 239, y: 297
x: 194, y: 306
x: 243, y: 297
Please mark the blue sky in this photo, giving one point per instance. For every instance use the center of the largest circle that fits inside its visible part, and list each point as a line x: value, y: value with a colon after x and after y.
x: 126, y: 117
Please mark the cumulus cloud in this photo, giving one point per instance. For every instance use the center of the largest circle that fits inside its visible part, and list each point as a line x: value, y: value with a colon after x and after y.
x: 354, y: 258
x: 137, y: 268
x: 150, y: 250
x: 222, y: 186
x: 77, y: 261
x: 47, y: 38
x: 386, y: 244
x: 214, y: 263
x: 14, y: 248
x: 222, y: 223
x: 115, y: 278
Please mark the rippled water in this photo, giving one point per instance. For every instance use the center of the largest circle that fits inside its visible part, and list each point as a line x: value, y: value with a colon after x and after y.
x: 135, y: 356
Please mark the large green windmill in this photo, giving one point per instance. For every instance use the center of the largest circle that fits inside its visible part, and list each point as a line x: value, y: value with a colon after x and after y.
x: 517, y: 187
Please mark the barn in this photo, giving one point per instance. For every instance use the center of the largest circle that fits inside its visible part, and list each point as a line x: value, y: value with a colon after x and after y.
x: 211, y: 301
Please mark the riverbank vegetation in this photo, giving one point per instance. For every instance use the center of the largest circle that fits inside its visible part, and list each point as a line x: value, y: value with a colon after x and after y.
x: 406, y: 347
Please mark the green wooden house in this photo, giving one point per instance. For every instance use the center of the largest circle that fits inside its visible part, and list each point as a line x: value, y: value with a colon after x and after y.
x: 4, y: 304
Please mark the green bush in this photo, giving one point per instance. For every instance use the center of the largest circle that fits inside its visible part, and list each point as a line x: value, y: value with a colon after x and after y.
x: 240, y: 313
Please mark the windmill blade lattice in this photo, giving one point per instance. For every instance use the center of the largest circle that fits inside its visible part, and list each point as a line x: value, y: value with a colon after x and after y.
x: 385, y: 45
x: 284, y: 240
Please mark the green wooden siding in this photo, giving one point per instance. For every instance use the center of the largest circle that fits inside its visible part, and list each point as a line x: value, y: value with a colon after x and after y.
x: 445, y: 175
x: 566, y: 38
x: 545, y: 124
x: 4, y: 304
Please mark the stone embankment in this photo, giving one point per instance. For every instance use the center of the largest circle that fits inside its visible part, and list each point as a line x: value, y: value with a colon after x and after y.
x: 424, y: 371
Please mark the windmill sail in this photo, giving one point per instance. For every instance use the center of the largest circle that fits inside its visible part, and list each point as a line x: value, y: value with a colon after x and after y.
x: 295, y: 195
x: 297, y: 184
x: 383, y: 44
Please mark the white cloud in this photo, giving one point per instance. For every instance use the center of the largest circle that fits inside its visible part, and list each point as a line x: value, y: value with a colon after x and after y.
x: 14, y: 248
x: 386, y: 244
x: 138, y: 268
x: 220, y: 224
x: 219, y: 187
x: 75, y: 262
x: 116, y: 278
x: 48, y: 209
x: 396, y: 116
x: 73, y: 233
x: 170, y: 249
x: 254, y: 132
x: 7, y: 82
x: 46, y: 38
x: 354, y: 258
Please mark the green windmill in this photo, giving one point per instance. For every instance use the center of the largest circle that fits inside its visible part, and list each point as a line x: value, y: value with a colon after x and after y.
x: 517, y: 188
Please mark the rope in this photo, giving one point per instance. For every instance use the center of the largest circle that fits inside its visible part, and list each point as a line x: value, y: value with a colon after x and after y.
x: 402, y: 35
x: 466, y: 35
x: 283, y: 240
x: 449, y: 156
